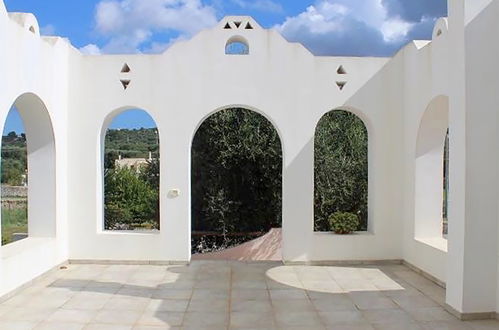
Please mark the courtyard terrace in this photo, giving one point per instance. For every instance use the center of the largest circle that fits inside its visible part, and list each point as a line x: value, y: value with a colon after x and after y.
x: 231, y: 295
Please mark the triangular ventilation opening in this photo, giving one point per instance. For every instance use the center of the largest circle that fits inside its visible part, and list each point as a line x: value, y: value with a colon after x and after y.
x: 125, y: 68
x: 238, y: 24
x: 341, y: 84
x: 341, y: 70
x: 227, y: 26
x: 125, y: 83
x: 249, y: 26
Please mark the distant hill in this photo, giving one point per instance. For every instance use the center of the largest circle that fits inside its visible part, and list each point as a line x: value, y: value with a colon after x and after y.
x: 132, y: 143
x: 129, y: 143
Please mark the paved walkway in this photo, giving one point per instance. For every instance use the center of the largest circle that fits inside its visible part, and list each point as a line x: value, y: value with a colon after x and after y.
x: 264, y: 248
x: 235, y: 295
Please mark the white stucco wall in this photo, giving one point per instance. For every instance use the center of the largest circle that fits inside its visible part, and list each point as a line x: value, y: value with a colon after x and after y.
x: 293, y: 89
x: 29, y: 64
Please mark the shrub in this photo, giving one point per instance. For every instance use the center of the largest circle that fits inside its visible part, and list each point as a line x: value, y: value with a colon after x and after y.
x: 344, y: 223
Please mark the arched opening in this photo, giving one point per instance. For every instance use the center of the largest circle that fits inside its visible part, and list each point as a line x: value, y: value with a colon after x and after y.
x: 28, y: 172
x: 340, y: 170
x: 431, y: 176
x: 236, y: 184
x: 237, y: 46
x: 131, y: 172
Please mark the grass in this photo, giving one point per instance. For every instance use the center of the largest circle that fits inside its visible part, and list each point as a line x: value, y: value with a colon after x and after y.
x: 13, y: 221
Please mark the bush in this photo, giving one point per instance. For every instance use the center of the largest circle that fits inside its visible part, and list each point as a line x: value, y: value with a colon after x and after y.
x: 129, y: 199
x: 344, y: 223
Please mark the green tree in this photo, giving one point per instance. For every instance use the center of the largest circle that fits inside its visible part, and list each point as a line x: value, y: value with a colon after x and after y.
x: 129, y: 200
x: 341, y: 168
x: 236, y: 173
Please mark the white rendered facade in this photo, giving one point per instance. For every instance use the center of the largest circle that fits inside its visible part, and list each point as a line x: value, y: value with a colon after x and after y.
x: 407, y: 102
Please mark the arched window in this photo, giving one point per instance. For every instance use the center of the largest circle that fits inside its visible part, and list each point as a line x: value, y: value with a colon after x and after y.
x: 431, y: 177
x: 341, y: 169
x: 131, y: 173
x: 237, y: 46
x: 236, y: 181
x: 28, y: 172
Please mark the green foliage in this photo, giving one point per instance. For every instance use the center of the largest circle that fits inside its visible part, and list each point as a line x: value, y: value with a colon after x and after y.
x: 14, y: 221
x: 131, y: 143
x: 14, y: 159
x: 344, y: 223
x: 236, y: 173
x: 341, y: 169
x: 129, y: 200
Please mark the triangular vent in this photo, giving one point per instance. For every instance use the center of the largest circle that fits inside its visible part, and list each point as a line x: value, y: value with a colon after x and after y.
x: 249, y: 26
x: 227, y: 26
x: 238, y: 24
x: 125, y: 68
x: 341, y: 70
x: 125, y: 83
x: 341, y: 84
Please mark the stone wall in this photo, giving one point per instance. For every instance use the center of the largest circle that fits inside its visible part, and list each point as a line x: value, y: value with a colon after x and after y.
x: 14, y: 191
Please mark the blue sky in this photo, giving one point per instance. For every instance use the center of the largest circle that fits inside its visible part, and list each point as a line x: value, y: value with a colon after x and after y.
x: 325, y: 27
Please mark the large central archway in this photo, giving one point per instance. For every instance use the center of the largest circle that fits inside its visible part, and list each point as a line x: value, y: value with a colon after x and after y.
x: 236, y: 186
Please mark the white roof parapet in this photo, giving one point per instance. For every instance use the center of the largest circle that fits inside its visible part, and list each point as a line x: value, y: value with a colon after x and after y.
x: 238, y: 23
x: 441, y: 27
x: 3, y: 10
x: 27, y: 21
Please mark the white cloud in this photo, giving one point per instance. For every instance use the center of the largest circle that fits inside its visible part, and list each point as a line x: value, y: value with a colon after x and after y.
x: 129, y: 24
x: 260, y: 5
x: 395, y: 29
x: 353, y: 27
x: 90, y: 49
x: 47, y: 30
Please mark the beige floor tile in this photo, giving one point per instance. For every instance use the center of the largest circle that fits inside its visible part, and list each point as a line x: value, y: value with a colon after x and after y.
x: 337, y: 318
x: 249, y: 294
x: 59, y: 326
x: 373, y: 302
x: 483, y: 324
x: 72, y: 315
x: 398, y: 326
x: 288, y: 294
x: 168, y: 305
x: 161, y: 318
x: 29, y: 314
x: 151, y: 327
x: 247, y: 284
x: 446, y: 325
x: 254, y: 320
x: 292, y: 306
x: 322, y: 286
x: 387, y: 316
x: 251, y: 306
x: 17, y: 325
x: 210, y: 294
x: 352, y: 285
x: 360, y: 326
x: 86, y: 302
x: 334, y: 303
x: 198, y: 320
x: 430, y: 314
x: 207, y: 305
x: 98, y: 326
x: 172, y: 294
x: 117, y: 317
x: 413, y: 302
x: 127, y: 303
x: 298, y: 319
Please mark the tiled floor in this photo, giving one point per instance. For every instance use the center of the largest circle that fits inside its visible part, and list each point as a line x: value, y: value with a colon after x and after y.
x: 223, y: 295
